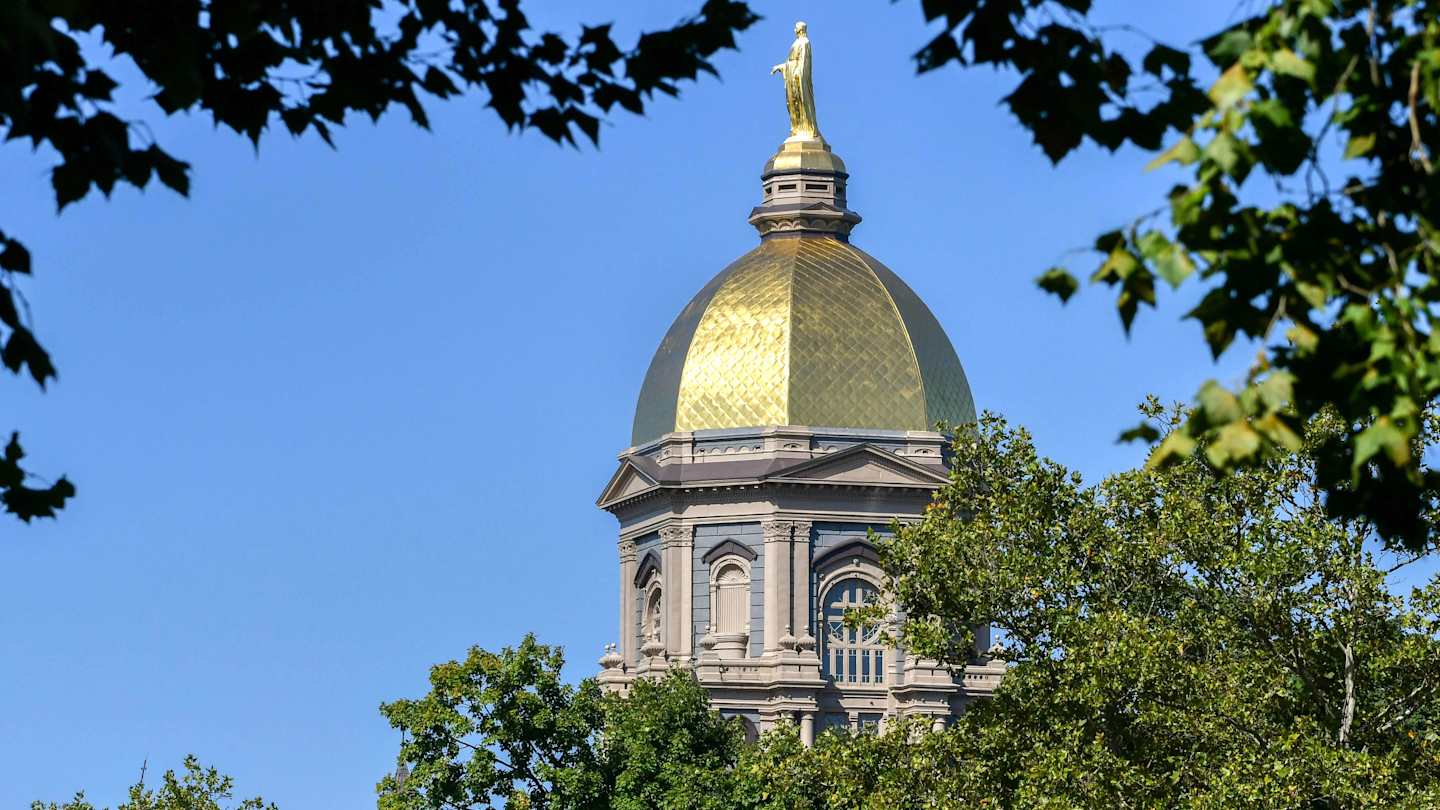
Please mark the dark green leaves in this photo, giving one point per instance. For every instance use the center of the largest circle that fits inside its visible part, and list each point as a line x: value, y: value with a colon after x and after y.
x: 250, y: 65
x: 505, y: 727
x: 1346, y: 261
x: 1072, y: 88
x: 1173, y: 638
x: 20, y: 498
x: 1057, y: 280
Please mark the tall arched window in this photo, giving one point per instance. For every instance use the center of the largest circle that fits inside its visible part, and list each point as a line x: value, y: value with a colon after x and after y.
x: 650, y: 626
x: 730, y: 598
x: 851, y: 655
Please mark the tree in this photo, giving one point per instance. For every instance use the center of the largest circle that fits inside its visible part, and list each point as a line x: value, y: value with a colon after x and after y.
x: 198, y: 789
x: 503, y: 729
x: 1175, y: 638
x: 906, y: 765
x: 1340, y: 276
x: 306, y: 66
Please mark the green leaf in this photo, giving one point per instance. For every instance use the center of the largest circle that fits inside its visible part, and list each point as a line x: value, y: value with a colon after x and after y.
x: 1359, y: 145
x: 1219, y: 405
x: 1183, y: 151
x: 1117, y: 266
x: 1382, y: 434
x: 1177, y: 445
x: 1143, y: 432
x: 1232, y: 86
x: 1169, y: 260
x: 1287, y: 63
x: 1236, y: 442
x: 1230, y: 154
x: 1058, y: 281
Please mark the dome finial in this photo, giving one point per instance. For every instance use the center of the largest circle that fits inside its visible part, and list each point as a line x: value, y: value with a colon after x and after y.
x: 804, y: 182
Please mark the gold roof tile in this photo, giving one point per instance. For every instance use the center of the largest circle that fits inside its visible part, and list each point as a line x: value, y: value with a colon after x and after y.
x: 805, y: 330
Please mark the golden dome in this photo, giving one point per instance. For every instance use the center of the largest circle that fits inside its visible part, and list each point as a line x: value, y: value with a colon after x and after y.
x: 803, y: 330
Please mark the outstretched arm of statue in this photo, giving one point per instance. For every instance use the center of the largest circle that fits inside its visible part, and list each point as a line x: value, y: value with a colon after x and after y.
x: 780, y: 68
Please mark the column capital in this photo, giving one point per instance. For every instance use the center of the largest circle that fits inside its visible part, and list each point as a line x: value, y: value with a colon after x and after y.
x: 627, y: 551
x: 777, y: 531
x: 801, y: 529
x: 676, y: 536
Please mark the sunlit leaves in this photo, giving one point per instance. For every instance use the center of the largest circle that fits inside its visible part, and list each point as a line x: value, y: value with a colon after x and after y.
x: 1183, y: 151
x: 1234, y: 84
x: 1175, y: 638
x: 506, y: 728
x: 1343, y: 263
x: 198, y: 788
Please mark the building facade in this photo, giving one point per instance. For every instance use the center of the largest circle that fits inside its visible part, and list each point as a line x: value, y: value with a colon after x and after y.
x: 789, y: 413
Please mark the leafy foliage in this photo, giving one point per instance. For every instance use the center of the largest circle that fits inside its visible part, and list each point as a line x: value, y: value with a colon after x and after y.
x: 21, y: 499
x: 1340, y: 275
x: 307, y: 67
x: 1175, y: 638
x: 503, y: 729
x: 199, y: 788
x: 906, y: 765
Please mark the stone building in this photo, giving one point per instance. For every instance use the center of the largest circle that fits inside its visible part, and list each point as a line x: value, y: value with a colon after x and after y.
x: 789, y: 411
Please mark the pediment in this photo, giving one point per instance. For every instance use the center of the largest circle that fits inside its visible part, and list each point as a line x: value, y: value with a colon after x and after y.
x: 863, y: 465
x: 627, y: 482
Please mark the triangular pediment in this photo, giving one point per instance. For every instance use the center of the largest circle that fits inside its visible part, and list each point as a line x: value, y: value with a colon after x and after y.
x: 627, y: 482
x: 863, y: 465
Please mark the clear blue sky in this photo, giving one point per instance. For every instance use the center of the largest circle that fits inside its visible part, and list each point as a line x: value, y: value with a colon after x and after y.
x: 341, y: 415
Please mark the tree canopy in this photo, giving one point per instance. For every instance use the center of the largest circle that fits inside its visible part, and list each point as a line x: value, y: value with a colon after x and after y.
x: 1173, y: 639
x: 1177, y: 639
x: 198, y: 788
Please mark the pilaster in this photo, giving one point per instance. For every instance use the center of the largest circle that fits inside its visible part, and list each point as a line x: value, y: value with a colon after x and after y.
x: 777, y: 580
x: 627, y: 601
x: 677, y: 545
x: 801, y: 609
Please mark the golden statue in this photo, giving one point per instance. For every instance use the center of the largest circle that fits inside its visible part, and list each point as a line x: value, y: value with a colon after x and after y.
x: 799, y: 92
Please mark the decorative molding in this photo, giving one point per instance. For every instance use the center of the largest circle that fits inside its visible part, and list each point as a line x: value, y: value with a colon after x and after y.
x: 650, y: 563
x: 776, y: 531
x: 844, y: 553
x: 729, y: 547
x: 627, y: 551
x: 773, y: 224
x: 676, y: 536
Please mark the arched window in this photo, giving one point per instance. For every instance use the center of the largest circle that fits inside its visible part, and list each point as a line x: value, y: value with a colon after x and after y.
x: 730, y: 605
x: 729, y: 598
x: 650, y: 623
x: 851, y: 655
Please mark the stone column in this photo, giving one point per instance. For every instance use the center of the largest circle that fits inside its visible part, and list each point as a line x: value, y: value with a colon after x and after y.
x: 807, y: 729
x: 938, y: 725
x: 777, y: 580
x: 627, y: 601
x: 677, y: 546
x: 801, y: 610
